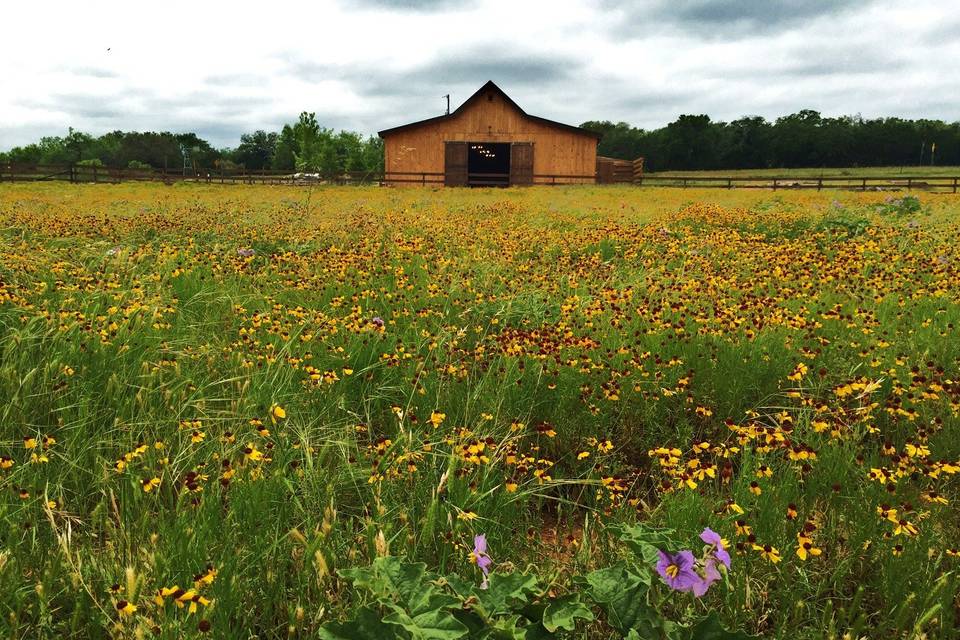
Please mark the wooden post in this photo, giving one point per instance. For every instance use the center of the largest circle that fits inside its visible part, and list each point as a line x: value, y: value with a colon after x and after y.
x: 909, y: 183
x: 73, y: 176
x: 819, y: 184
x: 954, y: 185
x: 94, y: 174
x: 863, y: 186
x: 684, y: 183
x: 729, y: 183
x: 774, y: 184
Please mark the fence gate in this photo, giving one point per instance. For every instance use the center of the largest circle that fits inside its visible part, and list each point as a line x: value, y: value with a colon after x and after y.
x: 455, y: 164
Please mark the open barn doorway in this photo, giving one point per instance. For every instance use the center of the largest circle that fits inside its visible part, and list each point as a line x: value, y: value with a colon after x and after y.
x: 488, y: 164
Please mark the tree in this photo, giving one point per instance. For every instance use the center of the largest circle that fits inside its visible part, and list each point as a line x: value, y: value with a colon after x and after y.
x: 256, y: 150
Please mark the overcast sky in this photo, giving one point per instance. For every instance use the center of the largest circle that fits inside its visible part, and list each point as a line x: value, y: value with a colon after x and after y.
x: 222, y: 69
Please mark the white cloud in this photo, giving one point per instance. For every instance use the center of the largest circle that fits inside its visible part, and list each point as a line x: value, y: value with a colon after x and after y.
x: 222, y: 69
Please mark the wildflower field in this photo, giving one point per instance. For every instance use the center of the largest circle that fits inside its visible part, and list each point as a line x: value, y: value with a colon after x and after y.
x: 369, y: 413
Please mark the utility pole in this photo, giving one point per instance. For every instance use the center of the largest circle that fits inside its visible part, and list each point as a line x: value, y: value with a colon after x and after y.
x: 448, y: 103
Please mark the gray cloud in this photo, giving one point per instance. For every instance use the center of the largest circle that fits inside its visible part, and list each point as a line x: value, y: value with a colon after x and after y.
x: 419, y: 6
x: 722, y: 19
x: 643, y: 62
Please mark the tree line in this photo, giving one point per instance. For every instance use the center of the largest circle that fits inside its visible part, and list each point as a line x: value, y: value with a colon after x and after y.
x: 301, y: 146
x: 691, y: 142
x: 800, y: 140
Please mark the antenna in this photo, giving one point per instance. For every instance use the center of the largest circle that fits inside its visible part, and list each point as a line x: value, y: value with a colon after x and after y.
x: 448, y: 102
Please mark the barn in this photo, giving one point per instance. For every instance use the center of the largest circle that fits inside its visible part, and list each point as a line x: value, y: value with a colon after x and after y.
x: 489, y: 141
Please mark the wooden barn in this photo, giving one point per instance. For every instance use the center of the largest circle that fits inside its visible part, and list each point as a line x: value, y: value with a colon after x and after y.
x: 489, y: 141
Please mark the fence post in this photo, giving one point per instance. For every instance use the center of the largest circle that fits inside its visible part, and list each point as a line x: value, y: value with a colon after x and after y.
x: 729, y: 183
x: 954, y: 185
x: 94, y: 174
x: 863, y: 186
x: 684, y: 183
x: 774, y: 184
x: 73, y: 177
x: 909, y: 183
x: 819, y: 184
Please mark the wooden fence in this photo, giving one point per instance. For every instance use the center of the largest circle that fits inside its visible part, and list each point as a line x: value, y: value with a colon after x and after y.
x: 609, y: 171
x: 84, y: 173
x: 941, y: 184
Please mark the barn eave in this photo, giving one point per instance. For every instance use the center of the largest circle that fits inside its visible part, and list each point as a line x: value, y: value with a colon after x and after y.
x: 476, y: 96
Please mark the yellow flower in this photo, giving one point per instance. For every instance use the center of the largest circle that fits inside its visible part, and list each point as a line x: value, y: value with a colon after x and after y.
x: 437, y: 418
x: 150, y: 484
x: 768, y: 552
x: 252, y: 453
x: 126, y: 608
x: 29, y: 442
x: 277, y: 413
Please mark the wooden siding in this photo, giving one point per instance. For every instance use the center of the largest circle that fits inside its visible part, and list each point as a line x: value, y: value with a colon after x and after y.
x: 556, y: 151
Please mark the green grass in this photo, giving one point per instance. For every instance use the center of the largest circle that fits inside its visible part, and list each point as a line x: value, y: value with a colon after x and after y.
x: 250, y: 416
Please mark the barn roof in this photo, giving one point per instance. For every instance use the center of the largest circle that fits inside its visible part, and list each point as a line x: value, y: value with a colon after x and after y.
x: 476, y: 96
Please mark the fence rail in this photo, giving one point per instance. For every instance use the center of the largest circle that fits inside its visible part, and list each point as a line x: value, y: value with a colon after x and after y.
x: 84, y: 173
x: 943, y: 184
x: 610, y: 172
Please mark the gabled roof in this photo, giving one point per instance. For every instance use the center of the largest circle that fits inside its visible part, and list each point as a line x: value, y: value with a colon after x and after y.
x: 476, y: 96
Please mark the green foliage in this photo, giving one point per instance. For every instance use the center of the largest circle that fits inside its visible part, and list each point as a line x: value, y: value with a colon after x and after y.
x: 904, y: 206
x: 411, y: 602
x: 802, y: 139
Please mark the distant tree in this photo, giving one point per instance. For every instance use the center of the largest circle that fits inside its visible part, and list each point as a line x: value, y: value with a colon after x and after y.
x: 284, y: 155
x: 256, y: 150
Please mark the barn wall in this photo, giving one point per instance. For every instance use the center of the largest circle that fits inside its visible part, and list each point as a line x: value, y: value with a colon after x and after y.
x: 555, y: 150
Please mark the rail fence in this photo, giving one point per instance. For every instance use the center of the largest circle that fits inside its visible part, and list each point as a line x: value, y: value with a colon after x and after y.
x: 942, y: 184
x: 612, y: 172
x: 85, y: 173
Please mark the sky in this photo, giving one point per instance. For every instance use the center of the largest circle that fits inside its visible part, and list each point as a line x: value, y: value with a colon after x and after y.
x: 223, y: 69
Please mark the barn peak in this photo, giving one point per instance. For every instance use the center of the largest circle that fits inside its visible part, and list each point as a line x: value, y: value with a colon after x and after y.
x: 488, y: 88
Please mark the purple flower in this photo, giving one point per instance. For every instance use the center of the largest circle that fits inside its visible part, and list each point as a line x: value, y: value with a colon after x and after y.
x: 677, y: 570
x: 480, y: 558
x: 711, y: 537
x: 710, y: 576
x: 377, y: 321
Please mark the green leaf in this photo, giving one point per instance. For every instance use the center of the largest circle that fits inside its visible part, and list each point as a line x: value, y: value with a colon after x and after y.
x: 389, y: 577
x: 645, y: 541
x: 710, y: 628
x: 506, y: 593
x: 431, y: 625
x: 605, y: 585
x: 562, y: 613
x: 622, y: 594
x: 365, y: 625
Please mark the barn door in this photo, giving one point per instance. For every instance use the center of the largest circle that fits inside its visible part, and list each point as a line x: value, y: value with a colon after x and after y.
x: 521, y: 164
x: 455, y: 164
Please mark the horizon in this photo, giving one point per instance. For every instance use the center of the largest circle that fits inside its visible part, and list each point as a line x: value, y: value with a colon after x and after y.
x: 644, y: 65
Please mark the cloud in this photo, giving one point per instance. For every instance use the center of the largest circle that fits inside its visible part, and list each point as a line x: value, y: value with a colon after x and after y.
x: 381, y: 63
x: 723, y: 19
x: 420, y: 6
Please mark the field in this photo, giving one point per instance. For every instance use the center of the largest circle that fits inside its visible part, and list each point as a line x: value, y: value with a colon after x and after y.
x: 242, y: 412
